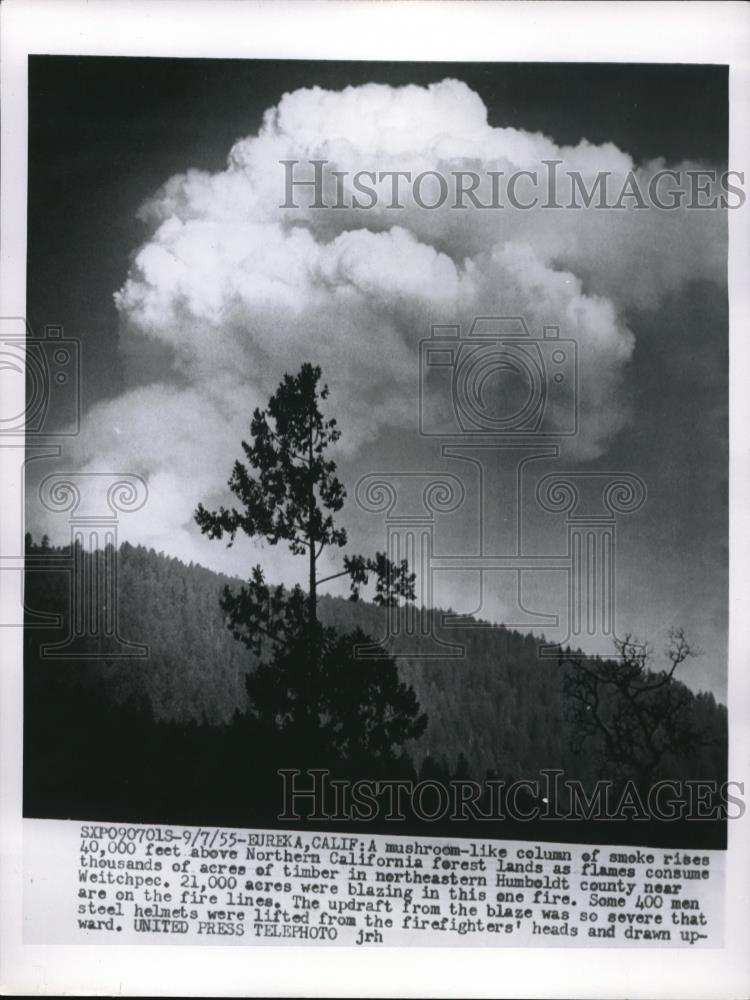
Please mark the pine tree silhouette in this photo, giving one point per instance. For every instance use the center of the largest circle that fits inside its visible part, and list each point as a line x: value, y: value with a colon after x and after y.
x: 309, y: 685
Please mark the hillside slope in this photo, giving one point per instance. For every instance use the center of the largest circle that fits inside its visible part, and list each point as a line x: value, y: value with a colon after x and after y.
x: 498, y: 709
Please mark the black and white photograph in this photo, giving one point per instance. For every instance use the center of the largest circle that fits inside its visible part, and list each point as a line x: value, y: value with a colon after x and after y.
x: 425, y: 483
x: 366, y: 545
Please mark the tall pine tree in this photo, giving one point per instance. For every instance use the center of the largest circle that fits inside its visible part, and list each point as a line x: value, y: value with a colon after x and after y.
x: 308, y: 682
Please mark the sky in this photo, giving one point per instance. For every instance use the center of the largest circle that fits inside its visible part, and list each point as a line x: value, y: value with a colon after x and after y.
x: 156, y: 236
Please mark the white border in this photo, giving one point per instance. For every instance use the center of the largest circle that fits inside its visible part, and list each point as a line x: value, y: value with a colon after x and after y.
x: 426, y: 31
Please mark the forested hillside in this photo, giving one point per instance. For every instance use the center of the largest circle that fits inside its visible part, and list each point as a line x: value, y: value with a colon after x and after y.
x: 497, y: 710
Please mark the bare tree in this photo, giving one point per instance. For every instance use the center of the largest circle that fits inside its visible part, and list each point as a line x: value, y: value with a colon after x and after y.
x: 630, y: 715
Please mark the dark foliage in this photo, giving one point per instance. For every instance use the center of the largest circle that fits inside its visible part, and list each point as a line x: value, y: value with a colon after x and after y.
x: 365, y: 713
x: 170, y: 738
x: 309, y: 688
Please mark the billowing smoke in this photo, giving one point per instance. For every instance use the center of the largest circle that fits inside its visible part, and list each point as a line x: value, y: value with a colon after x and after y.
x: 231, y: 289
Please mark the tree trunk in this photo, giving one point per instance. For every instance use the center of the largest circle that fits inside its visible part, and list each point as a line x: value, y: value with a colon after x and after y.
x: 314, y: 710
x: 313, y: 599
